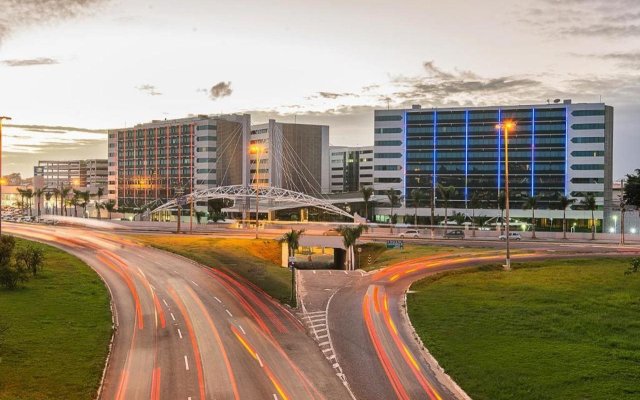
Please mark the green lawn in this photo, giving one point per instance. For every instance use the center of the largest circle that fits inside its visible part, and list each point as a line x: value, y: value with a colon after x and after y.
x: 59, y: 331
x: 383, y: 257
x: 549, y: 330
x: 257, y: 260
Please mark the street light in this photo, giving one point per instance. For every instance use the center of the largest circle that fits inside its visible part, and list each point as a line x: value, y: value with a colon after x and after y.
x: 506, y: 126
x: 615, y: 224
x: 257, y: 150
x: 2, y: 118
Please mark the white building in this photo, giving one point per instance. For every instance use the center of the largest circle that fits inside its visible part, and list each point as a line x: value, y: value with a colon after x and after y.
x: 351, y: 168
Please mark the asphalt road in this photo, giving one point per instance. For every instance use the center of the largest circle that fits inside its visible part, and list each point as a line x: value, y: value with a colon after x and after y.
x: 367, y: 330
x: 185, y: 331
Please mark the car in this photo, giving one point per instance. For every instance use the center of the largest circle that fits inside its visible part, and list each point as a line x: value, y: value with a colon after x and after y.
x: 411, y: 233
x: 331, y: 232
x: 455, y: 234
x: 512, y: 236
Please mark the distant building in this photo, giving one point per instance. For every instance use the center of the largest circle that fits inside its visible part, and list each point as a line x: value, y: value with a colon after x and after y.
x: 351, y: 168
x: 292, y: 156
x: 77, y: 174
x: 162, y: 159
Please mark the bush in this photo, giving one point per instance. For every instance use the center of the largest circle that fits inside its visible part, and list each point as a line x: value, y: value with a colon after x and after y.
x: 32, y: 258
x: 634, y: 268
x: 11, y: 272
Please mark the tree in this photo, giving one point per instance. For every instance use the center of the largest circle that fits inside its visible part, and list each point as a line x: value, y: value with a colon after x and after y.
x: 631, y: 193
x: 394, y: 201
x: 589, y: 203
x: 110, y: 205
x: 75, y: 201
x: 530, y: 204
x: 11, y: 272
x: 64, y: 194
x: 446, y: 193
x: 367, y: 192
x: 215, y: 207
x: 350, y: 235
x: 28, y: 194
x: 31, y: 257
x: 47, y: 196
x: 417, y: 195
x: 474, y: 203
x: 38, y: 194
x: 99, y: 206
x: 56, y: 194
x: 199, y: 216
x: 84, y: 201
x: 100, y: 193
x: 564, y: 202
x: 292, y: 239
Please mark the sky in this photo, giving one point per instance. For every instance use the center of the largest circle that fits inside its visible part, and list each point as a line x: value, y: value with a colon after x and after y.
x: 70, y: 69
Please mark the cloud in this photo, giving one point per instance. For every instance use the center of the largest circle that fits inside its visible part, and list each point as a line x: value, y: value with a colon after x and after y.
x: 53, y: 128
x: 629, y: 59
x: 332, y: 95
x: 19, y: 14
x: 219, y: 90
x: 30, y: 62
x: 149, y: 89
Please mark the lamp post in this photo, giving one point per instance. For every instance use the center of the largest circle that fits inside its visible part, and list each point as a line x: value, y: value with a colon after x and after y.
x: 615, y: 223
x: 2, y: 118
x: 505, y: 126
x: 257, y: 150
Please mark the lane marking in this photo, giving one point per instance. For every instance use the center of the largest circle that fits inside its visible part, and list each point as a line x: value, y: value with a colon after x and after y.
x: 165, y: 303
x: 275, y: 397
x: 172, y: 317
x: 314, y: 272
x: 142, y: 273
x: 228, y: 312
x: 259, y: 360
x: 345, y: 272
x: 195, y: 284
x: 243, y: 332
x: 180, y: 333
x: 217, y: 299
x: 186, y: 363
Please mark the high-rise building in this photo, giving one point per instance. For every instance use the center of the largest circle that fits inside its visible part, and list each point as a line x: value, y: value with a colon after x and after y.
x: 292, y: 156
x: 164, y: 159
x: 77, y: 174
x: 351, y: 168
x: 555, y: 149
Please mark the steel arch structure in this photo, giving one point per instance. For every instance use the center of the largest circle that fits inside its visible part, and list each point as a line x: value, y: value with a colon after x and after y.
x: 278, y: 198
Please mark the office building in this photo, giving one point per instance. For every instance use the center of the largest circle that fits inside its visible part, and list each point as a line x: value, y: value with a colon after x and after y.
x: 351, y: 168
x: 292, y: 156
x: 556, y: 149
x: 77, y: 174
x: 164, y: 159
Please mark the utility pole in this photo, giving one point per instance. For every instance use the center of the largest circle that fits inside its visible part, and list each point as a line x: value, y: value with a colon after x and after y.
x: 179, y: 193
x: 506, y: 126
x: 623, y: 208
x: 433, y: 205
x: 1, y: 179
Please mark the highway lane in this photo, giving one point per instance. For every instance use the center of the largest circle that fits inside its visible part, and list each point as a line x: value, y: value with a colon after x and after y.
x: 187, y: 331
x: 371, y: 337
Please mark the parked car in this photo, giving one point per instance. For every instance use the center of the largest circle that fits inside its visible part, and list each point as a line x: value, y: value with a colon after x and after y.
x: 455, y: 234
x: 411, y: 233
x: 331, y: 232
x: 512, y: 236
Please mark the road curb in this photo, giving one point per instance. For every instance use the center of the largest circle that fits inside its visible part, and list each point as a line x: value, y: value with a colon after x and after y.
x: 438, y: 371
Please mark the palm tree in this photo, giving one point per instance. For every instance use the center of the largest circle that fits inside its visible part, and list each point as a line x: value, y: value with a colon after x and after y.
x: 47, y: 196
x: 530, y: 204
x: 64, y: 194
x: 474, y: 202
x: 565, y: 202
x: 56, y: 194
x: 446, y: 193
x: 84, y: 201
x: 350, y: 235
x: 589, y: 203
x: 367, y: 192
x: 28, y: 194
x: 22, y: 193
x: 75, y: 201
x: 417, y: 195
x: 38, y: 193
x: 110, y: 206
x: 99, y: 206
x: 292, y: 239
x: 394, y: 201
x: 100, y: 193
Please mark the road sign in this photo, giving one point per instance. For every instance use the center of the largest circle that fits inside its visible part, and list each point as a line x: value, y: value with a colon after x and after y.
x: 369, y: 259
x: 395, y: 244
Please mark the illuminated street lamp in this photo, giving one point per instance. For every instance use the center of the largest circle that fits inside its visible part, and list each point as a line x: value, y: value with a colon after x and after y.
x: 257, y: 150
x: 506, y: 126
x: 2, y: 118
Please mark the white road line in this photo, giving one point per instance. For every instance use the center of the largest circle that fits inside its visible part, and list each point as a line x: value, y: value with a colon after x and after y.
x: 275, y: 397
x: 323, y: 336
x: 195, y: 284
x: 186, y: 363
x: 345, y: 272
x: 142, y: 273
x: 314, y: 271
x: 165, y: 302
x: 172, y: 317
x: 188, y: 398
x: 323, y: 344
x: 328, y: 349
x: 259, y: 360
x: 180, y: 333
x: 217, y: 299
x: 243, y: 332
x: 228, y: 312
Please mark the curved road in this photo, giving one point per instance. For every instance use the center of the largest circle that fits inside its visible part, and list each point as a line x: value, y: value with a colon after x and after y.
x: 367, y: 327
x: 185, y: 331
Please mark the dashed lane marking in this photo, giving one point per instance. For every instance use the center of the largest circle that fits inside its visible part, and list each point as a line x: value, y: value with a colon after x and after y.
x: 228, y: 312
x: 218, y: 300
x: 186, y: 363
x: 179, y: 333
x: 172, y: 316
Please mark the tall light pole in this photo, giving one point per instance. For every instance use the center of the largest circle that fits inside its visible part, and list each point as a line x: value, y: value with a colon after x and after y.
x: 2, y: 118
x: 257, y: 150
x: 505, y: 126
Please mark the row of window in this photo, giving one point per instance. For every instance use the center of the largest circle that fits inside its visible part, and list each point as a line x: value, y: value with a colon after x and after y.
x: 588, y: 153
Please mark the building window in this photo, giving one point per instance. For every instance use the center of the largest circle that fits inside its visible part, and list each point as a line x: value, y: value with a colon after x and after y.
x: 599, y: 139
x: 381, y: 118
x: 588, y: 153
x: 388, y: 155
x: 587, y: 113
x: 588, y: 167
x: 587, y: 126
x: 388, y: 143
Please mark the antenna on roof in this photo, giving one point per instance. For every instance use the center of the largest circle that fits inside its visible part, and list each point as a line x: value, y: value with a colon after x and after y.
x: 548, y: 102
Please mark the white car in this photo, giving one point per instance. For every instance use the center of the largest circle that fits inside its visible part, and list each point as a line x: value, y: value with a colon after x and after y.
x: 411, y: 233
x: 512, y: 236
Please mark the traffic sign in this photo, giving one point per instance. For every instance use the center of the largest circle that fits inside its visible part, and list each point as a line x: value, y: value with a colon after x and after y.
x: 395, y: 244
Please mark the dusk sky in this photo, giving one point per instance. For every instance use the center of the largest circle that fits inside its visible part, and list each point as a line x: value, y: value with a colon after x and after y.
x: 71, y: 68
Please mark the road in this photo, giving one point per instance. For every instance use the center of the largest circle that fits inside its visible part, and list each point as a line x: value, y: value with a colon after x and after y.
x: 185, y: 331
x: 362, y: 321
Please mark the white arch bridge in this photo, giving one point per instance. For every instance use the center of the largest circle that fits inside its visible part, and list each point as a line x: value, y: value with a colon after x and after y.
x: 269, y: 199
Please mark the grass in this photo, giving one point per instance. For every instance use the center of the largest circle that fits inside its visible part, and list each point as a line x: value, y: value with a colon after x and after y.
x: 59, y: 331
x: 547, y: 330
x: 254, y: 259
